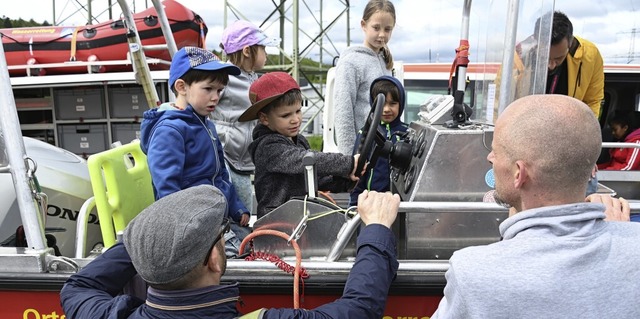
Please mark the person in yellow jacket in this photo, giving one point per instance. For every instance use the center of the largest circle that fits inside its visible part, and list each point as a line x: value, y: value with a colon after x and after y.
x: 575, y: 66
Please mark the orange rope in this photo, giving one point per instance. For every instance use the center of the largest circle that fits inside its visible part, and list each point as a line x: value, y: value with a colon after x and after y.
x: 296, y: 276
x: 261, y: 255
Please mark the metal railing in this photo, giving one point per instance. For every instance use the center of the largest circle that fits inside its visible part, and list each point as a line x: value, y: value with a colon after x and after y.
x: 32, y: 220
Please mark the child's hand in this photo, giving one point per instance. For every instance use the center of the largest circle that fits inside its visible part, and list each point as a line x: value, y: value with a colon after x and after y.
x: 353, y: 176
x: 244, y: 221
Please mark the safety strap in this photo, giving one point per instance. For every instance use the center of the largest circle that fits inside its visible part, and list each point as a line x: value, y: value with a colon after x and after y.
x: 203, y: 37
x: 462, y: 59
x: 74, y: 37
x: 258, y: 314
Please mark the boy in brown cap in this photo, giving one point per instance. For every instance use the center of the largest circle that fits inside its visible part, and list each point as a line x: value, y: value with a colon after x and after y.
x: 278, y: 148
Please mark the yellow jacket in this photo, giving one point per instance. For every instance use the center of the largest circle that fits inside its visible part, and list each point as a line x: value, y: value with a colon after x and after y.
x: 585, y: 71
x: 586, y: 75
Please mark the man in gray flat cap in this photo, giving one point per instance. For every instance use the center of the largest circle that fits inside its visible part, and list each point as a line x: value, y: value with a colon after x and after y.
x: 177, y: 246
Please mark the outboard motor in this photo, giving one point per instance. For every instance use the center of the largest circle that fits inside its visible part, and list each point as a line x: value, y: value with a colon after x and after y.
x: 64, y: 178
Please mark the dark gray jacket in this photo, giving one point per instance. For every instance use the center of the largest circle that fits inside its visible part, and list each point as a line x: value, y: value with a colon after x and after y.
x: 279, y: 171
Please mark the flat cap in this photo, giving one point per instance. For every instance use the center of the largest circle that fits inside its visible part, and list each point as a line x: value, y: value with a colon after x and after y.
x: 173, y: 235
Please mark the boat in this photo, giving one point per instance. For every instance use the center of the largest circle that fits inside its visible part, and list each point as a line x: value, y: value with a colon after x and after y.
x: 64, y: 178
x: 59, y: 49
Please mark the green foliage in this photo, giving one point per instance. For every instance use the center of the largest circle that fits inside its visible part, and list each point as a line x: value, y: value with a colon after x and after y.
x: 315, y: 141
x: 20, y: 23
x: 310, y: 71
x: 314, y: 71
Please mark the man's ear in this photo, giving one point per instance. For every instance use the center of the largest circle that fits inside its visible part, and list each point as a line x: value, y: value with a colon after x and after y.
x: 214, y: 262
x: 521, y: 175
x: 180, y: 86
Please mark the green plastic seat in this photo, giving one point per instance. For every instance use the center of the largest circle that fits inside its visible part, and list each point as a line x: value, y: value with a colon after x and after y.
x: 121, y: 185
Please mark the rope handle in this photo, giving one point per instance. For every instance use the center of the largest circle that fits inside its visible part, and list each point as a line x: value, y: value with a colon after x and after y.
x: 297, y: 269
x: 261, y: 255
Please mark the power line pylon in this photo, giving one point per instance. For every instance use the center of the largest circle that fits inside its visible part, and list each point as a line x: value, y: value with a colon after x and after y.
x: 303, y: 42
x: 632, y: 55
x: 63, y: 10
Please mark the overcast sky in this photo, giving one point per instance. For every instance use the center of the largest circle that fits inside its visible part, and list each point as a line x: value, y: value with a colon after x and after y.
x: 425, y: 31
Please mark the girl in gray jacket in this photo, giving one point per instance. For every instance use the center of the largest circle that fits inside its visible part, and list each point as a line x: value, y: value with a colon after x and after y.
x: 357, y: 67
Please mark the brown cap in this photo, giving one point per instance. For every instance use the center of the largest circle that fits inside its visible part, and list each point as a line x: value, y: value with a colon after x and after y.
x: 266, y: 89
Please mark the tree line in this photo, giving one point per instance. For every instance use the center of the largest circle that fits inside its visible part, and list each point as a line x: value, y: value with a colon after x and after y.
x: 8, y: 23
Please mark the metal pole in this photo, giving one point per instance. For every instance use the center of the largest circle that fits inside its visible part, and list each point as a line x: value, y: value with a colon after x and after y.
x: 141, y: 68
x: 32, y: 221
x: 464, y: 35
x: 468, y: 207
x: 321, y: 40
x: 509, y: 49
x: 54, y: 12
x: 89, y: 12
x: 226, y: 14
x: 166, y: 28
x: 296, y: 49
x: 619, y: 145
x: 450, y: 207
x: 282, y: 35
x: 348, y: 23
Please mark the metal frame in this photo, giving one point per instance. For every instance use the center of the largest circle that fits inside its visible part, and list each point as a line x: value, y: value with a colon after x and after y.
x: 291, y: 14
x: 18, y: 162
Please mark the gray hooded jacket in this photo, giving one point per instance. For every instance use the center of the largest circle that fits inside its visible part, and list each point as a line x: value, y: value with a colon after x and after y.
x: 357, y: 67
x: 554, y: 262
x: 235, y: 136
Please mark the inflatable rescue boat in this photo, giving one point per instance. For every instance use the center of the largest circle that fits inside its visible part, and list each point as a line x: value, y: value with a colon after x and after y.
x: 64, y: 45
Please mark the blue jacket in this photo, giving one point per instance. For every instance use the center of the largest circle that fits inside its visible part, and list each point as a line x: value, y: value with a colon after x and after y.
x: 378, y: 178
x: 93, y: 292
x: 183, y: 150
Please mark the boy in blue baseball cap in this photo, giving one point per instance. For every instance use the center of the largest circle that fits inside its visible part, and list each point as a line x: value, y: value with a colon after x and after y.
x: 182, y: 146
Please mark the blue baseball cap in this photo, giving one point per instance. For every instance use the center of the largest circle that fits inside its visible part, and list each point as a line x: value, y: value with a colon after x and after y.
x: 189, y: 58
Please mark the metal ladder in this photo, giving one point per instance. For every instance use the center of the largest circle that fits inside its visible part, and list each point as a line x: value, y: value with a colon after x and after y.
x: 136, y: 49
x: 13, y: 158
